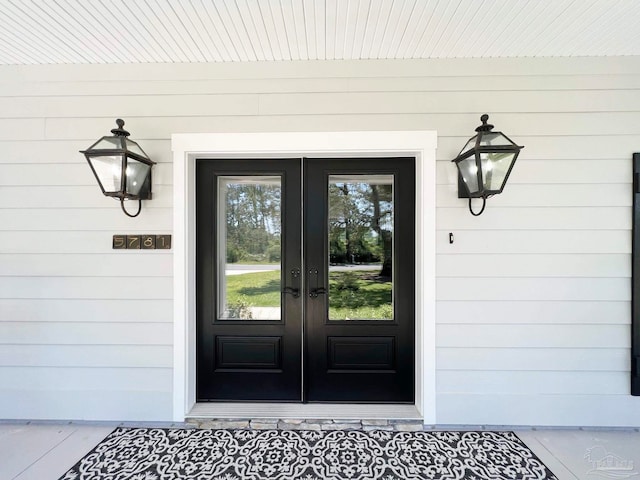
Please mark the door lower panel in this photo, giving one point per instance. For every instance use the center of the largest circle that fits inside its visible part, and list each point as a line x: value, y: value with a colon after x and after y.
x: 248, y: 353
x: 361, y: 353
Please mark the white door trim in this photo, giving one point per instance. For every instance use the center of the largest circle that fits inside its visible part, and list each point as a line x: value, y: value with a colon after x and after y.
x: 187, y: 147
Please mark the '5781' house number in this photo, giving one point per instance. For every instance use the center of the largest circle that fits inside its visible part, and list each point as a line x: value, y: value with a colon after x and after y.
x: 141, y: 242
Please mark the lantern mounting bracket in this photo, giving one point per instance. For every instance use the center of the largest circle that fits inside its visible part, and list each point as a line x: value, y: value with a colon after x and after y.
x: 125, y: 210
x: 484, y: 204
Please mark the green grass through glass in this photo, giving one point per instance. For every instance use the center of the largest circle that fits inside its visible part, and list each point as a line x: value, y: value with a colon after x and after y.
x: 258, y: 289
x: 360, y: 295
x: 354, y: 295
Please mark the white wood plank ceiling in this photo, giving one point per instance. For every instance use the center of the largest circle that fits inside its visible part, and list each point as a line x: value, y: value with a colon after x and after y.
x: 168, y: 31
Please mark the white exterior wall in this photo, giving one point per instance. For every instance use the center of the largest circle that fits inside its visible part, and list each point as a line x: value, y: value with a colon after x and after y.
x: 533, y: 298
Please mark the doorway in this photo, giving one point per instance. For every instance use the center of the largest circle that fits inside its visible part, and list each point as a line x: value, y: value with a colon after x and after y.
x: 305, y: 280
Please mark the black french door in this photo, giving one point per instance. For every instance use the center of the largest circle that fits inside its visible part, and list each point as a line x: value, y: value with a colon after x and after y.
x: 330, y: 322
x: 360, y: 293
x: 249, y: 314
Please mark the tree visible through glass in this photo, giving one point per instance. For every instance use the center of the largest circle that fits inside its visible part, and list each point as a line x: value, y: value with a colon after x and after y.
x: 360, y: 247
x: 249, y: 247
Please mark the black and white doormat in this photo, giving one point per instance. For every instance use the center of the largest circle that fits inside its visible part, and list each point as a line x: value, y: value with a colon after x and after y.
x: 163, y: 454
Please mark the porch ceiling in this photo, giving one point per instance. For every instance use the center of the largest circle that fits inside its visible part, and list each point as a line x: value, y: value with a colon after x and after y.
x: 171, y: 31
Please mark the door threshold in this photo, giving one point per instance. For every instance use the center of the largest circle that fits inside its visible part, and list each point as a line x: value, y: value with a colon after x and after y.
x: 328, y: 411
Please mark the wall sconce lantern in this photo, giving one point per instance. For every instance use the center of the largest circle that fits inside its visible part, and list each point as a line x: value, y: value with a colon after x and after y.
x: 484, y: 164
x: 121, y: 167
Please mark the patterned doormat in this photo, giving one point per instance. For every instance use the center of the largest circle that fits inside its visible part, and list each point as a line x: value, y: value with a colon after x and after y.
x: 186, y: 454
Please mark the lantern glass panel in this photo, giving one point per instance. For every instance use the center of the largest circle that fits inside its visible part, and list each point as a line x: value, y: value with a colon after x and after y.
x: 108, y: 169
x: 107, y: 143
x: 495, y: 167
x: 494, y: 139
x: 470, y: 144
x: 136, y: 174
x: 135, y: 148
x: 469, y: 171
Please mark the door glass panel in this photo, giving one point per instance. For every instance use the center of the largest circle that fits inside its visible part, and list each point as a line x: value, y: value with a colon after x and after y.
x: 360, y: 247
x: 249, y: 250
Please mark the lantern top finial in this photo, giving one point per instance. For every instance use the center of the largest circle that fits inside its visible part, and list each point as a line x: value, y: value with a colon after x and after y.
x: 120, y: 132
x: 485, y: 127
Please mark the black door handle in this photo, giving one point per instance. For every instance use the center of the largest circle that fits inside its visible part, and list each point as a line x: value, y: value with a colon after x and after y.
x: 314, y: 292
x: 295, y: 277
x: 293, y: 291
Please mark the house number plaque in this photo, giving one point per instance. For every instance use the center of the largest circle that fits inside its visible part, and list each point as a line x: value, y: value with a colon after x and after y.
x: 141, y: 242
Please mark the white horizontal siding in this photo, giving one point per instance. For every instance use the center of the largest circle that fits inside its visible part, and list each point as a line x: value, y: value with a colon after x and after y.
x: 129, y: 106
x: 86, y: 265
x: 95, y: 219
x: 86, y: 356
x: 534, y: 265
x: 110, y: 332
x: 526, y: 382
x: 102, y: 404
x: 320, y: 102
x: 478, y: 69
x: 533, y: 312
x: 86, y: 287
x: 542, y: 335
x: 534, y: 289
x: 522, y: 126
x: 388, y: 83
x: 533, y: 296
x: 92, y: 379
x: 446, y: 103
x: 524, y: 242
x: 471, y: 359
x: 86, y: 310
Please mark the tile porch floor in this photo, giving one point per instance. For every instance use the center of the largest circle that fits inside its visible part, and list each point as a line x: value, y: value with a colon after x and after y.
x: 32, y: 451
